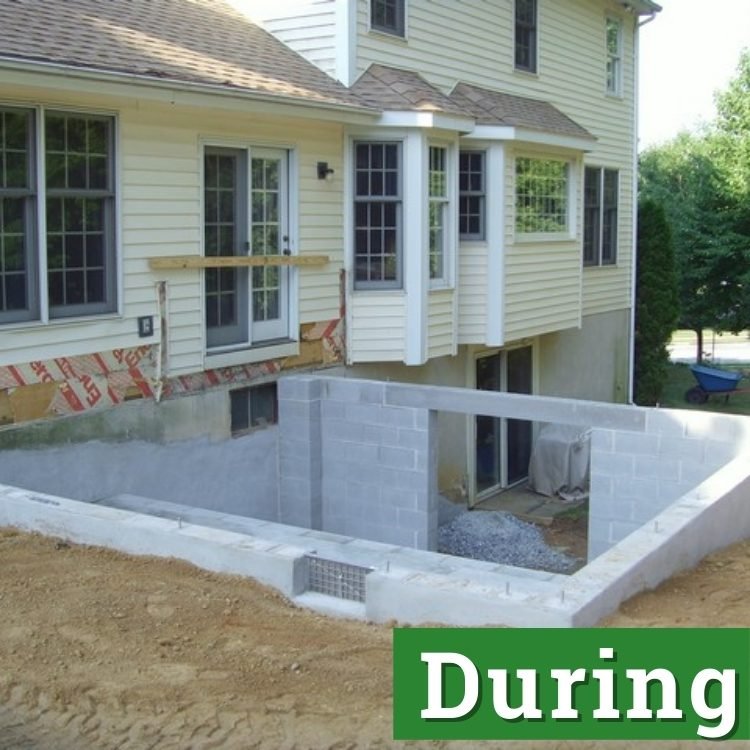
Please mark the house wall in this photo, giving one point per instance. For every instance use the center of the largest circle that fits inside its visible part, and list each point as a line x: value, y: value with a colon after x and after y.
x: 75, y: 365
x: 571, y: 77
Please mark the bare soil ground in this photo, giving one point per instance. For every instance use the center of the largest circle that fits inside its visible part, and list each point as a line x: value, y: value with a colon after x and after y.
x: 103, y: 650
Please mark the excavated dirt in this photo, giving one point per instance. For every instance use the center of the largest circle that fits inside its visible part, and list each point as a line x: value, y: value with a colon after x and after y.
x: 103, y: 650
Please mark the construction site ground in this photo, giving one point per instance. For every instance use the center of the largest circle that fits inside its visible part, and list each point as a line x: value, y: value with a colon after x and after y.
x: 103, y: 650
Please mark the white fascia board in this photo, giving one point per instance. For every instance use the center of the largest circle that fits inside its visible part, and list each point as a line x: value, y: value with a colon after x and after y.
x: 129, y: 85
x: 524, y: 135
x: 428, y: 120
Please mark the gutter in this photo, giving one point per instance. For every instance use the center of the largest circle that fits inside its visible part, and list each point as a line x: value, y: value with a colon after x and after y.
x: 171, y: 84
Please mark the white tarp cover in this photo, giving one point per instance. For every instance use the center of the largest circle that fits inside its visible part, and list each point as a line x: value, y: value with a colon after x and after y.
x: 560, y: 461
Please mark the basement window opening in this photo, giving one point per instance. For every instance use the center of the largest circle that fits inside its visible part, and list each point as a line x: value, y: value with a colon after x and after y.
x: 253, y: 408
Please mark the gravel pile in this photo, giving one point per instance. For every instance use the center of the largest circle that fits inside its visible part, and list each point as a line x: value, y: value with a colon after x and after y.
x: 499, y: 537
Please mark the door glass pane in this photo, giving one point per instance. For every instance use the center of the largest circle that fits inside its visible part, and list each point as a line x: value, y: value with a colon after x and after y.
x: 266, y: 236
x: 519, y: 431
x: 223, y: 232
x: 488, y: 465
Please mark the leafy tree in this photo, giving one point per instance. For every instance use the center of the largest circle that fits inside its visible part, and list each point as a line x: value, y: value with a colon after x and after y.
x: 703, y: 181
x: 657, y: 302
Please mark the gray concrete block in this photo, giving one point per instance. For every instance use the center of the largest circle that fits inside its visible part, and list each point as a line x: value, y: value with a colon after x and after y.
x: 330, y: 409
x: 653, y: 467
x: 405, y: 479
x: 408, y: 438
x: 638, y: 444
x: 401, y: 498
x: 299, y: 388
x: 619, y: 530
x: 612, y: 465
x: 412, y: 520
x: 397, y: 458
x: 664, y: 422
x: 718, y: 452
x: 602, y: 441
x: 396, y: 416
x: 360, y: 493
x: 634, y: 488
x: 602, y: 488
x: 342, y: 429
x: 684, y: 449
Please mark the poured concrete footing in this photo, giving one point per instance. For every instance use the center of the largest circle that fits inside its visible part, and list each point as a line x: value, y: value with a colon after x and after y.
x: 406, y: 585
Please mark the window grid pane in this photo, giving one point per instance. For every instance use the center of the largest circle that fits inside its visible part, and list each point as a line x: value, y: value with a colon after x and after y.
x: 591, y: 216
x: 377, y: 214
x: 220, y: 228
x: 471, y: 195
x: 609, y: 220
x: 17, y: 210
x: 80, y: 213
x: 541, y: 195
x: 438, y: 195
x: 265, y: 195
x: 525, y: 35
x: 387, y: 16
x: 614, y: 55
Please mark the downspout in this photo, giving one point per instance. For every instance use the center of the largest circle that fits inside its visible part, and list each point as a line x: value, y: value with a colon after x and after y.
x: 634, y: 253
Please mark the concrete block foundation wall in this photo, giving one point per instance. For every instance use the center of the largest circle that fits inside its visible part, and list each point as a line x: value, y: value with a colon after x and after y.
x: 352, y: 464
x: 635, y: 475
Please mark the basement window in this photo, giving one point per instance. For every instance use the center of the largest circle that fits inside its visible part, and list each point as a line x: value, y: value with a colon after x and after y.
x: 253, y: 407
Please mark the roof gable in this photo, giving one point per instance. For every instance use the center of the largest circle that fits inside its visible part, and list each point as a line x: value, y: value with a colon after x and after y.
x: 190, y: 41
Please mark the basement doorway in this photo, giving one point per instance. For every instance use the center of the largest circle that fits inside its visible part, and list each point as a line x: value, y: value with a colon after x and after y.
x: 502, y: 446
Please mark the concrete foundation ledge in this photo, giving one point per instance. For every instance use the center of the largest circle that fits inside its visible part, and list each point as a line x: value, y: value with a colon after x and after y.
x: 406, y: 585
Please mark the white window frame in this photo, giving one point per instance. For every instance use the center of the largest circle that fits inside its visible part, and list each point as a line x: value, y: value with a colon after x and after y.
x: 568, y: 231
x: 399, y: 30
x: 480, y: 195
x: 598, y: 259
x: 533, y: 67
x: 438, y: 201
x: 41, y: 310
x: 613, y: 68
x: 397, y: 200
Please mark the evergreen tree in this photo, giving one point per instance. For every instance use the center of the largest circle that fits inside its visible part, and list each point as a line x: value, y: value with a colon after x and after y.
x: 657, y: 302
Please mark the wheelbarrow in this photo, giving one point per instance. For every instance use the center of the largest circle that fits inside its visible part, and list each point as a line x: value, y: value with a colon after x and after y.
x: 712, y: 381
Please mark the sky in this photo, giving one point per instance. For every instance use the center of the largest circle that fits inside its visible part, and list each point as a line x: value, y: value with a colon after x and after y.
x: 687, y: 53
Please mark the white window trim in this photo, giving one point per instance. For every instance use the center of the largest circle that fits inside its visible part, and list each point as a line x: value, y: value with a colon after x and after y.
x: 450, y: 205
x: 226, y: 356
x: 617, y: 90
x: 43, y: 318
x: 392, y: 35
x: 574, y: 180
x: 526, y: 71
x: 598, y: 262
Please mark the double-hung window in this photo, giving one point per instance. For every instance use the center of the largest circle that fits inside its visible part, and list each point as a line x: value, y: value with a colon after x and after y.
x: 388, y: 16
x: 438, y: 211
x: 71, y: 267
x: 542, y: 202
x: 614, y: 56
x: 377, y: 215
x: 526, y: 35
x: 471, y: 195
x: 601, y: 188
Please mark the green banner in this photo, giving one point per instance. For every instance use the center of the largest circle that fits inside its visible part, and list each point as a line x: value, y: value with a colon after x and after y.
x: 595, y: 684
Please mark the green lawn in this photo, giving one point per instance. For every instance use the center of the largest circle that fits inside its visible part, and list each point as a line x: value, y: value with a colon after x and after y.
x: 680, y: 379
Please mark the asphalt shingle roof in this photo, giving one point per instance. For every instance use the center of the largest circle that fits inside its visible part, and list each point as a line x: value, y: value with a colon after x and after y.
x: 496, y: 108
x: 196, y: 41
x: 402, y: 90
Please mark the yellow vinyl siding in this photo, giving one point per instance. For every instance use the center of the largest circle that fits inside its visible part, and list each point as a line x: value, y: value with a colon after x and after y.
x: 306, y: 26
x: 376, y: 327
x: 572, y: 65
x: 441, y: 323
x: 472, y: 293
x: 158, y: 156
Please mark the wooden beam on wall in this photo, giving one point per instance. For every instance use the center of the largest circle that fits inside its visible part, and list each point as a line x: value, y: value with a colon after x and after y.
x: 172, y: 262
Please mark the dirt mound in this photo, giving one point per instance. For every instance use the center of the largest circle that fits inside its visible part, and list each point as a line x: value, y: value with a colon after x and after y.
x: 103, y: 650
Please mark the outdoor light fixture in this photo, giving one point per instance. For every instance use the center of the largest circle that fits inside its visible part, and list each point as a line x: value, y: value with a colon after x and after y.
x: 324, y: 171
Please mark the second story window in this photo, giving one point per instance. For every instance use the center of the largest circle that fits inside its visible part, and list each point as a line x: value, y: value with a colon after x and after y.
x: 471, y: 192
x: 438, y: 181
x: 526, y: 35
x: 388, y: 16
x: 377, y: 215
x: 541, y: 196
x: 614, y: 57
x: 600, y: 223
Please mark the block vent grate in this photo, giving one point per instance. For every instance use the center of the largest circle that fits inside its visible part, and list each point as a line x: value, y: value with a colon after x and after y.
x: 332, y: 578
